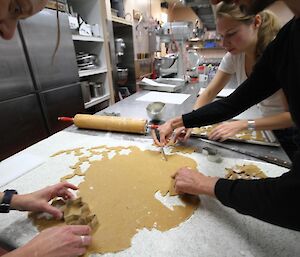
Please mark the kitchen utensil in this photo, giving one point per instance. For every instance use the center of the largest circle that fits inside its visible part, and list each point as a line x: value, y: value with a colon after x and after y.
x: 96, y: 89
x: 155, y: 110
x: 157, y: 135
x: 86, y: 58
x: 122, y: 74
x: 193, y: 60
x: 108, y: 123
x: 119, y: 46
x: 163, y: 153
x: 168, y: 60
x: 266, y: 158
x: 86, y: 93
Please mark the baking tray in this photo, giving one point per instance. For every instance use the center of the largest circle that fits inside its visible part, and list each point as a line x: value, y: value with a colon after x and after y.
x: 262, y: 137
x: 162, y: 87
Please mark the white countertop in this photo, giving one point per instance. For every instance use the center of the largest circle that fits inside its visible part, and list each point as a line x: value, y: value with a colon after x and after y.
x: 213, y: 230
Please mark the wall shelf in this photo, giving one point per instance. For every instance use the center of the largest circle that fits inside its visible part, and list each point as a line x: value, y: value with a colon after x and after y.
x: 96, y: 100
x: 196, y: 40
x: 121, y: 20
x: 205, y: 48
x: 85, y: 73
x: 87, y: 38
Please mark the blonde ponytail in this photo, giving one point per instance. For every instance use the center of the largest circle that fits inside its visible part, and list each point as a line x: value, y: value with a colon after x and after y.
x: 267, y: 31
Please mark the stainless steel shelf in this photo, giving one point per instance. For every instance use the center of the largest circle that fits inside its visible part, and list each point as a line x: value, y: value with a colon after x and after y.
x: 85, y: 73
x: 96, y: 100
x: 121, y: 20
x: 87, y: 38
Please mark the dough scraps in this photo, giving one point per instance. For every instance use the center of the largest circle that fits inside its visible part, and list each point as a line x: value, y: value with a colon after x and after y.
x: 249, y: 171
x: 245, y: 135
x: 120, y: 190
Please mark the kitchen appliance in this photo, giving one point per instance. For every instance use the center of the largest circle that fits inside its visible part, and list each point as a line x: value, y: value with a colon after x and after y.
x: 119, y: 46
x: 55, y: 77
x: 176, y: 33
x: 37, y: 87
x: 193, y: 62
x: 122, y: 76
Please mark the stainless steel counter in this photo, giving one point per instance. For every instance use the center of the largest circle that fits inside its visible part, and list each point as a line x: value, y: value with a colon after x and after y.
x: 241, y: 235
x: 129, y: 107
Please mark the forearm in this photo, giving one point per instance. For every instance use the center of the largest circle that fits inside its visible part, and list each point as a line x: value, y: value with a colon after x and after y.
x: 215, y: 86
x: 20, y: 252
x: 208, y: 186
x: 204, y: 99
x: 17, y: 203
x: 176, y: 122
x: 279, y: 121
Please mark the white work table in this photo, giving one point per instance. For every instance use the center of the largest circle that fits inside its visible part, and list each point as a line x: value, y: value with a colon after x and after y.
x: 214, y: 230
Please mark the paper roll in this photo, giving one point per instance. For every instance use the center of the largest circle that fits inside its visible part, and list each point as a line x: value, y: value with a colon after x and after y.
x: 109, y: 123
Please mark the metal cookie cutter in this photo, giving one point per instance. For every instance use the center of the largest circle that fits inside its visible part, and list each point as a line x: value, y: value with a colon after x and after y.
x: 77, y: 212
x: 212, y: 154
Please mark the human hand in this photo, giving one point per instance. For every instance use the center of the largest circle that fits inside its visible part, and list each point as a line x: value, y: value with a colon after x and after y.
x: 38, y: 201
x: 165, y: 131
x: 59, y: 241
x: 182, y: 134
x: 227, y: 129
x: 193, y: 182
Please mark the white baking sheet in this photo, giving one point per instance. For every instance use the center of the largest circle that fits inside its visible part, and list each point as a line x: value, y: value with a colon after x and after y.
x: 223, y: 93
x: 168, y: 98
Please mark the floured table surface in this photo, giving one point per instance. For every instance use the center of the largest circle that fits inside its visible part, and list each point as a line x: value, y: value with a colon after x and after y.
x: 213, y: 230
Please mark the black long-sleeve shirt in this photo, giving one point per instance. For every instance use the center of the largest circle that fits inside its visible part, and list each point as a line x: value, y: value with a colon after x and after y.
x: 275, y: 200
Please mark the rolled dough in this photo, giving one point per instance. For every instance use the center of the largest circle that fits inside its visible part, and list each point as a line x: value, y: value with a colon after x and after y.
x: 121, y: 192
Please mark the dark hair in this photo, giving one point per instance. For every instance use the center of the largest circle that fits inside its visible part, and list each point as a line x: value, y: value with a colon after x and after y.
x: 58, y: 32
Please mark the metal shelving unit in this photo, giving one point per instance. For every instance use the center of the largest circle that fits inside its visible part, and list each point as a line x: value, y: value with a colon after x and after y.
x: 86, y: 73
x: 96, y: 100
x: 86, y: 38
x: 91, y: 12
x: 120, y: 20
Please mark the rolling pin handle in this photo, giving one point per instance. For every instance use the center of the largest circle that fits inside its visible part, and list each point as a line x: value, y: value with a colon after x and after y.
x: 152, y: 126
x: 65, y: 119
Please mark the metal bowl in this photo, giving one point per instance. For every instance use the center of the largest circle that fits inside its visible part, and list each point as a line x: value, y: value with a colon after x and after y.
x: 122, y: 74
x: 155, y: 110
x: 167, y: 61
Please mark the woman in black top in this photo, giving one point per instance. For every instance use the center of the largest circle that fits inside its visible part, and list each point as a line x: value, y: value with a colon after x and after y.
x: 274, y: 200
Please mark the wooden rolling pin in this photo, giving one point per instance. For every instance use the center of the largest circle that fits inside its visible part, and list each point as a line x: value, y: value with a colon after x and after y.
x: 109, y: 123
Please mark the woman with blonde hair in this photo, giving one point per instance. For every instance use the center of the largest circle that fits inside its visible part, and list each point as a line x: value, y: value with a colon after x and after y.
x: 245, y: 37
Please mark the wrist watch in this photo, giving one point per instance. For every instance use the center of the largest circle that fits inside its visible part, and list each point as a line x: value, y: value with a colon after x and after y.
x: 251, y: 125
x: 6, y: 199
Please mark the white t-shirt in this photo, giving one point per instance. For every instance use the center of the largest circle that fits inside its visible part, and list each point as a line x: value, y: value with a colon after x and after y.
x: 235, y: 65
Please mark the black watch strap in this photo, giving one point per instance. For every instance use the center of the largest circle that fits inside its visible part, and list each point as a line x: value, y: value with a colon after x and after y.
x: 5, y: 204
